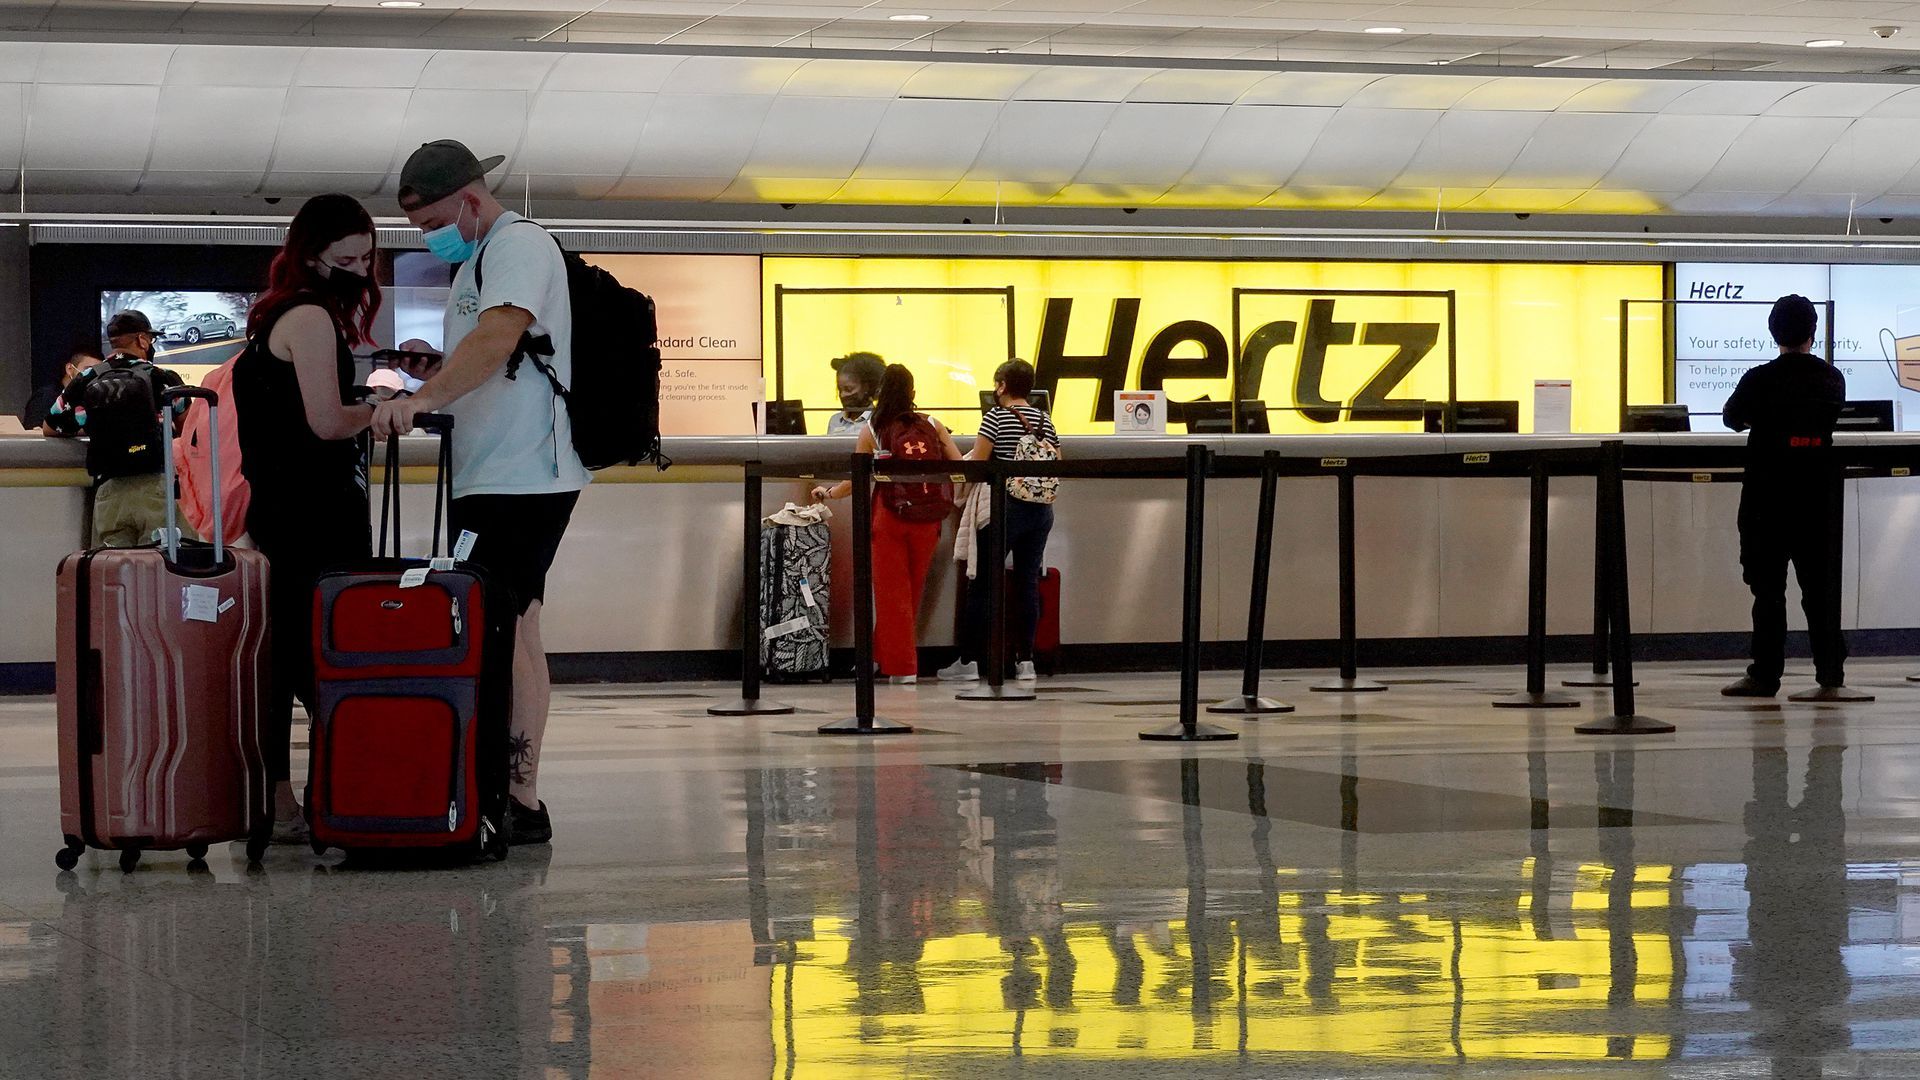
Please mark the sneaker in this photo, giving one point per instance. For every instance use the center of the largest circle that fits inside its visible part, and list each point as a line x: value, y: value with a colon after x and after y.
x: 1749, y: 687
x: 291, y: 830
x: 525, y: 826
x: 904, y: 680
x: 1023, y: 671
x: 1831, y: 694
x: 960, y: 671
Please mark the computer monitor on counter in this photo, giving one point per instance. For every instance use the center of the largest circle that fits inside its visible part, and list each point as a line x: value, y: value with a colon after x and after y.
x: 1208, y: 417
x: 1876, y: 415
x: 1039, y: 399
x: 1476, y: 417
x: 1645, y: 418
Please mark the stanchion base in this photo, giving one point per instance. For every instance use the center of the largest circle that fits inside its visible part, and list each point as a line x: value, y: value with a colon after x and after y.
x: 851, y: 726
x: 750, y: 707
x: 1546, y: 699
x: 1348, y: 686
x: 1625, y: 725
x: 1592, y: 682
x: 1831, y: 695
x: 1180, y: 733
x: 1004, y: 692
x: 1242, y: 705
x: 1913, y: 678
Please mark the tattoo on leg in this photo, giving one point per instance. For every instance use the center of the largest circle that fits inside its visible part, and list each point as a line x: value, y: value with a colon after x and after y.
x: 520, y: 757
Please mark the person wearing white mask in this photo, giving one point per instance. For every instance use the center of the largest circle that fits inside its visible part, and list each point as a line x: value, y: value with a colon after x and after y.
x: 516, y: 475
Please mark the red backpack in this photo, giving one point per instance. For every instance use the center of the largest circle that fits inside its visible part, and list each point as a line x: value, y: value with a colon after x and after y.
x: 922, y: 499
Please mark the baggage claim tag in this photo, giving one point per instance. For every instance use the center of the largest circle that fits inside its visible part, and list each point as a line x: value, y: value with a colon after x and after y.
x: 414, y: 578
x: 200, y: 603
x: 440, y: 564
x: 463, y: 549
x: 806, y: 592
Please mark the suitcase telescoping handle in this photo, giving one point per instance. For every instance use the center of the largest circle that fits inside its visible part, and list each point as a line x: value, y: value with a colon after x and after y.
x: 167, y: 398
x: 433, y: 423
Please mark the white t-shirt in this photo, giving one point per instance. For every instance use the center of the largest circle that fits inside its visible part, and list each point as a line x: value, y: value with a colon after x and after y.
x: 511, y: 436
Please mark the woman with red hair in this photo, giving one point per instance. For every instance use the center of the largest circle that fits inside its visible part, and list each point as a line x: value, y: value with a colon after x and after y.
x: 300, y: 420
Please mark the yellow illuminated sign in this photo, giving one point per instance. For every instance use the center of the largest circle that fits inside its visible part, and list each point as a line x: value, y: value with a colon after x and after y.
x: 1319, y: 342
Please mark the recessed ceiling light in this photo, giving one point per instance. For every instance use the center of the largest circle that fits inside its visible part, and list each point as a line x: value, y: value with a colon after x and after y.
x: 1825, y: 43
x: 1386, y: 30
x: 402, y: 3
x: 909, y: 18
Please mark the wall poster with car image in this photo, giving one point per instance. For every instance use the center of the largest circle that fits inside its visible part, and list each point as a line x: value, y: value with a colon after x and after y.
x: 198, y: 331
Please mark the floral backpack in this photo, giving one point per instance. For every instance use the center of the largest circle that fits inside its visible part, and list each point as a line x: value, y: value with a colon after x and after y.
x: 1033, y: 447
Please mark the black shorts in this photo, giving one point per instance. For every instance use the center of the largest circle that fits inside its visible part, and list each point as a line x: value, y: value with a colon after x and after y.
x: 516, y: 537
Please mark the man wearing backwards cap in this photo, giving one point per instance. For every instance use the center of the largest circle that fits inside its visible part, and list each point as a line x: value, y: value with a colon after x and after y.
x: 516, y: 476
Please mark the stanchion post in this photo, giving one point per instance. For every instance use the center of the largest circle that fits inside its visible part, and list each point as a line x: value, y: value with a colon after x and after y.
x: 1250, y: 703
x: 1598, y: 677
x: 749, y: 703
x: 863, y: 722
x: 1536, y: 695
x: 1624, y: 721
x: 995, y: 565
x: 1349, y: 681
x: 1190, y: 729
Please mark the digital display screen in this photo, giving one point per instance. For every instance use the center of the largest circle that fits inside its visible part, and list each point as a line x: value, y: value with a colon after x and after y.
x: 198, y: 331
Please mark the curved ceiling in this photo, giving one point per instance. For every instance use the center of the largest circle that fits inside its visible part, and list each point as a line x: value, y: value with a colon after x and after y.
x: 158, y: 119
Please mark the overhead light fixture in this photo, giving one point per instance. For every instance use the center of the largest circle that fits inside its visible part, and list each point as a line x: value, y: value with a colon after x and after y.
x: 909, y: 18
x: 999, y: 49
x: 1825, y: 43
x: 1386, y: 30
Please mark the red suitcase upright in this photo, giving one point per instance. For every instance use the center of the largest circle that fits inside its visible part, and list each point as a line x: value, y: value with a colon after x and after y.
x: 162, y: 679
x: 413, y: 665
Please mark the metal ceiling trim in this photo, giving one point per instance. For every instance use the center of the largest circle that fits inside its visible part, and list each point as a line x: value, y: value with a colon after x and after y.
x: 1038, y: 243
x: 994, y: 59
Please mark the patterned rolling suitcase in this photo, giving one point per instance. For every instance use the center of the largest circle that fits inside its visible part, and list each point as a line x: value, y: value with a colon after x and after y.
x: 794, y: 590
x: 163, y: 677
x: 413, y: 668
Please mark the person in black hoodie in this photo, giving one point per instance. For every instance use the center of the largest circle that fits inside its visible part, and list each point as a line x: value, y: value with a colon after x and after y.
x: 1790, y: 504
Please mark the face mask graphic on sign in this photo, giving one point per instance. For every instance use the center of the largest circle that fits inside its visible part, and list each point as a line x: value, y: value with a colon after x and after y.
x: 1901, y: 347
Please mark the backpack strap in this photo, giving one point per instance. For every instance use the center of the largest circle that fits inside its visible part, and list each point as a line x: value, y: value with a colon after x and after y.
x: 531, y: 346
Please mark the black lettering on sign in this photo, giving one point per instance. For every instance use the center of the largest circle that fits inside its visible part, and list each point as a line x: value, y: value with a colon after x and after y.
x: 1051, y: 364
x: 1253, y: 357
x: 1415, y: 341
x: 1158, y: 364
x: 1322, y: 332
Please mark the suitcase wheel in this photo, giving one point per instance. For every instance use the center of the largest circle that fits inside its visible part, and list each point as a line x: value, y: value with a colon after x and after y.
x: 197, y: 852
x: 69, y: 857
x: 129, y: 858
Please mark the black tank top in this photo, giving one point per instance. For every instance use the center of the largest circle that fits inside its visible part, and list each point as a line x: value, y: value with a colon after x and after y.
x: 290, y: 469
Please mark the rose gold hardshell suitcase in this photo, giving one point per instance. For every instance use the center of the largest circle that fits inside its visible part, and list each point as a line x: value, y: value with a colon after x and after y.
x: 163, y: 677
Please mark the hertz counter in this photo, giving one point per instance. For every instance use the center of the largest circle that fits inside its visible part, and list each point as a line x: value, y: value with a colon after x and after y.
x: 648, y: 582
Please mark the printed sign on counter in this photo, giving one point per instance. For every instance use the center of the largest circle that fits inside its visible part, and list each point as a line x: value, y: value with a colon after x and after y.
x: 1552, y: 406
x: 1139, y: 412
x: 708, y: 311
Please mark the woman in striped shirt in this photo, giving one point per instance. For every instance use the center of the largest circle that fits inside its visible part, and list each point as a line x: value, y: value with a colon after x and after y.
x: 1028, y: 525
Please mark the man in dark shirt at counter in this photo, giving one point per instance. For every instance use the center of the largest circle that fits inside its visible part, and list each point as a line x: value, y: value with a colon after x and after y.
x: 1790, y: 504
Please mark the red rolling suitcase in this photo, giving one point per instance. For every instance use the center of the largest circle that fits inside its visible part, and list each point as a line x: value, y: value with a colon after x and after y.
x: 413, y: 668
x: 163, y: 677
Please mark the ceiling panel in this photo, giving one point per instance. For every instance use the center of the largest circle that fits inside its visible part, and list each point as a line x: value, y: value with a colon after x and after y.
x: 582, y: 133
x: 329, y: 129
x: 1365, y: 147
x: 1150, y: 144
x: 1575, y: 148
x: 1672, y: 153
x: 699, y: 135
x: 1041, y: 142
x: 117, y: 122
x: 1470, y: 149
x: 1754, y: 162
x: 926, y: 139
x: 213, y: 65
x: 612, y: 73
x: 221, y: 129
x: 814, y: 137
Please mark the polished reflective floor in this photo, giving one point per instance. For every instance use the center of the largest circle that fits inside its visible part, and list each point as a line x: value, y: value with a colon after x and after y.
x: 1400, y: 884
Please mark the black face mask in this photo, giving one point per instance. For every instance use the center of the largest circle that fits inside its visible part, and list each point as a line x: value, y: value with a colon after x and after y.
x: 344, y: 285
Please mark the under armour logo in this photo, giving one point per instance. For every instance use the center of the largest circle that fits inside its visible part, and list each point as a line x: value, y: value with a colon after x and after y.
x: 916, y: 447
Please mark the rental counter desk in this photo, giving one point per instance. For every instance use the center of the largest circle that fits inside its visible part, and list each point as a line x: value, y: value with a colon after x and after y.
x: 648, y: 583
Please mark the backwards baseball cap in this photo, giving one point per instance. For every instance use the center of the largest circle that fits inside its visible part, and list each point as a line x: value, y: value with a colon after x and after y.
x: 128, y: 323
x: 440, y: 168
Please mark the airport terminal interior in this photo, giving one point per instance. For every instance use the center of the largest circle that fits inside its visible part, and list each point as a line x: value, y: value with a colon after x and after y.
x: 1360, y: 709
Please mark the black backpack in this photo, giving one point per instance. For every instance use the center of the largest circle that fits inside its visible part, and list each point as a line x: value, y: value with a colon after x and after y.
x: 614, y: 402
x: 123, y: 425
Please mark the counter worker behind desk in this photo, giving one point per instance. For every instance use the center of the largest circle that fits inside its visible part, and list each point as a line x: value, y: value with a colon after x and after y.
x: 1791, y: 501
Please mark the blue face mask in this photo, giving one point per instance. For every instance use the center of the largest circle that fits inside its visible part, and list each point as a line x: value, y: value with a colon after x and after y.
x: 447, y: 244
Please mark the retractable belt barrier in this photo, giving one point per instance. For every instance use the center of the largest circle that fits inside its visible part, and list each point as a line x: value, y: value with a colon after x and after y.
x: 1602, y: 462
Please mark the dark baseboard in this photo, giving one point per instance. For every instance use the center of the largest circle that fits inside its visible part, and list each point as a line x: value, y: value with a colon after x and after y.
x: 718, y: 665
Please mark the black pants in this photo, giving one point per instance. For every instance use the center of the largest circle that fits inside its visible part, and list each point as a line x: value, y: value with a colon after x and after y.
x: 1802, y: 528
x: 300, y: 544
x: 1028, y: 526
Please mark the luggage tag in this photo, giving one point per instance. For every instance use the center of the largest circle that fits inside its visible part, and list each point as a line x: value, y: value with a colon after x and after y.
x: 791, y: 626
x: 806, y: 593
x: 201, y: 603
x: 414, y: 578
x: 463, y: 549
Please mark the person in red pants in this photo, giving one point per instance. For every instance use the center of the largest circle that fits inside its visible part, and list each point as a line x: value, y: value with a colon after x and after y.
x: 907, y: 518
